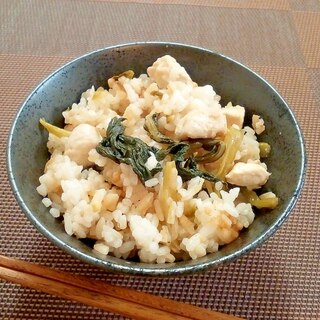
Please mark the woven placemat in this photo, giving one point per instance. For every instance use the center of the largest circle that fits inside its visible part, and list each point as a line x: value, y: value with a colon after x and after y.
x: 278, y: 39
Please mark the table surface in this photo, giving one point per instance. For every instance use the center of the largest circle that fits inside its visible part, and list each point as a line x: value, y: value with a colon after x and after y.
x: 280, y: 39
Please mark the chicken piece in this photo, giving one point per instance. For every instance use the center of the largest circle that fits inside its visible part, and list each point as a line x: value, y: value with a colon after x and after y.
x: 258, y: 124
x: 197, y: 125
x: 251, y: 175
x: 166, y: 69
x: 234, y: 115
x: 82, y: 139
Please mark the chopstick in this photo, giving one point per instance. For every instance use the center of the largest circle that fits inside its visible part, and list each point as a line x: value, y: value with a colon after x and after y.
x: 116, y: 299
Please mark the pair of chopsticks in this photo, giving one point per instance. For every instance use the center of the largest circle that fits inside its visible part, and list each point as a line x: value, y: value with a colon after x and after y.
x: 116, y: 299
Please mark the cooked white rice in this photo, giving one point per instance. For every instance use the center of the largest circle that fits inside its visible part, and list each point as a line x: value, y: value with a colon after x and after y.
x: 162, y: 219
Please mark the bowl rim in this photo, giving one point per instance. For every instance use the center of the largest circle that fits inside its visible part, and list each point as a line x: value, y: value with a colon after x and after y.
x: 169, y: 269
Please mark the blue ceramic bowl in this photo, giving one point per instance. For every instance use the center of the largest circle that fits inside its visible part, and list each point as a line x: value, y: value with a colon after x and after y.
x: 27, y: 152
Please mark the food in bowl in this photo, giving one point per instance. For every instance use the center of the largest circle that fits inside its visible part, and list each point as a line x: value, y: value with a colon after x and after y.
x: 155, y: 168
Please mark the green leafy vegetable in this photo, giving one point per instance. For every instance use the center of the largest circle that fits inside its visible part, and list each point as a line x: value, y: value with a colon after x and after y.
x: 133, y: 151
x: 216, y: 149
x: 125, y: 149
x: 187, y: 167
x: 189, y: 170
x: 152, y: 127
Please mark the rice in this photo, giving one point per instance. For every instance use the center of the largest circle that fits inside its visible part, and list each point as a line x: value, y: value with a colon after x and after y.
x: 166, y: 217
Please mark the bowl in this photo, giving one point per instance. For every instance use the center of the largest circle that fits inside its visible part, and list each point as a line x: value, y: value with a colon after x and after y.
x: 27, y: 152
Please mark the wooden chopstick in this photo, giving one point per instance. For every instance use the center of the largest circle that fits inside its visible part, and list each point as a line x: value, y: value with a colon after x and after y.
x: 128, y: 302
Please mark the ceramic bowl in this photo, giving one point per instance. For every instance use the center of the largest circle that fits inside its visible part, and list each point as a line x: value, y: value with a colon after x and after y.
x: 27, y: 152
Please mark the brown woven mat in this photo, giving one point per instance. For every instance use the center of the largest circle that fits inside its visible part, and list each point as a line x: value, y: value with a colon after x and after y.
x: 280, y: 39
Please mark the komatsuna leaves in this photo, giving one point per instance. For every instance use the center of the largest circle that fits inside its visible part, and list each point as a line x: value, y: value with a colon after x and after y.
x: 129, y: 150
x: 134, y: 152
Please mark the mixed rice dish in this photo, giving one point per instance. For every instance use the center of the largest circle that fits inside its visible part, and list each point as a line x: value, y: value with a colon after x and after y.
x: 155, y: 168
